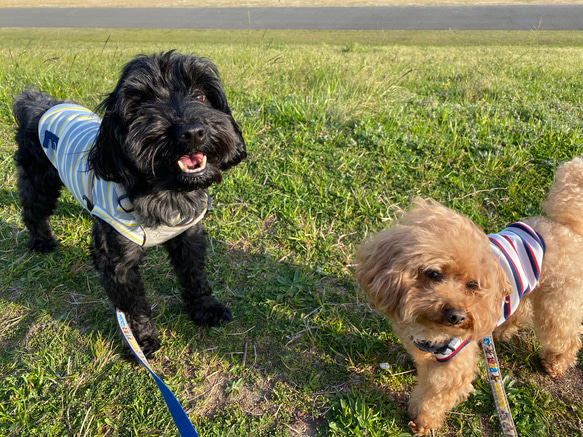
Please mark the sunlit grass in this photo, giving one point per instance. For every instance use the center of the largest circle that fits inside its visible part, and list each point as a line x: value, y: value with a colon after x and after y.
x: 342, y: 129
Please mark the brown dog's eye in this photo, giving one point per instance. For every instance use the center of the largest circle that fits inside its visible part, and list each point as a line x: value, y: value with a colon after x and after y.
x: 199, y: 97
x: 434, y: 275
x: 472, y: 285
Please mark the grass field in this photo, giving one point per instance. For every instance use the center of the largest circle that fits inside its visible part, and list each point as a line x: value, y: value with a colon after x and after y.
x: 342, y: 129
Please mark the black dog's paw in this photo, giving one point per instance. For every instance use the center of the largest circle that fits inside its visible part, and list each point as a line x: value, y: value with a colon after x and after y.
x: 148, y: 346
x: 42, y: 245
x: 145, y: 333
x: 209, y: 312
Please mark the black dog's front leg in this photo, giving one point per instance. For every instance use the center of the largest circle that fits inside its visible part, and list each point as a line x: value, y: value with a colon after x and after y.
x: 187, y: 254
x: 117, y: 261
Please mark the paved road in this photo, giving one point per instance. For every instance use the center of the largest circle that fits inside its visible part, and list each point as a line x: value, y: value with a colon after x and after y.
x: 517, y: 17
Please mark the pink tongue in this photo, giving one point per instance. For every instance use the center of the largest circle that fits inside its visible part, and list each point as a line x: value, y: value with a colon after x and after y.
x: 192, y: 160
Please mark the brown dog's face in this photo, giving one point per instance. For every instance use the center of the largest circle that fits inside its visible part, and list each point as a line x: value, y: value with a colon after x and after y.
x: 433, y: 276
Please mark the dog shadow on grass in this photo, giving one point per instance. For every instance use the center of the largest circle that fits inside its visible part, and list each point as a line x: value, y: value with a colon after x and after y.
x: 44, y: 287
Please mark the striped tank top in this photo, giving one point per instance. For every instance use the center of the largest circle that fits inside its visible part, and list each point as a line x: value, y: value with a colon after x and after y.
x: 519, y: 250
x: 66, y: 133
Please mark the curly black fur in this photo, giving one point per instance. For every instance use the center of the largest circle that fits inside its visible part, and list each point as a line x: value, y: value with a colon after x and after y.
x: 163, y: 107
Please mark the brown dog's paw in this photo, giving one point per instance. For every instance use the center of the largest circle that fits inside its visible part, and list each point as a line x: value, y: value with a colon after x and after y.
x: 504, y: 333
x: 554, y: 367
x: 418, y: 429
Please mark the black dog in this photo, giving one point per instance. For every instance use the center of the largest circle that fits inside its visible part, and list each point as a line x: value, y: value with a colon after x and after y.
x: 167, y: 134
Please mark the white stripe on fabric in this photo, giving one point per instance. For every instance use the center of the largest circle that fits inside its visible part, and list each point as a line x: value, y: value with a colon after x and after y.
x: 69, y: 122
x: 76, y: 128
x: 513, y: 248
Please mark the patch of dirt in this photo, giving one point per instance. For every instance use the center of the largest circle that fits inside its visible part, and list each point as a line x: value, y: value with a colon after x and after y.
x: 214, y: 396
x: 254, y: 400
x: 567, y: 388
x: 302, y: 425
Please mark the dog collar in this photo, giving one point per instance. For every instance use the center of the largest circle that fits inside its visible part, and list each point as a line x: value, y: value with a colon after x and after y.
x: 442, y: 351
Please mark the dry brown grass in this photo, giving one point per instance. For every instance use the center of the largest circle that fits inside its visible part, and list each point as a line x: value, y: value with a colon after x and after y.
x: 263, y: 3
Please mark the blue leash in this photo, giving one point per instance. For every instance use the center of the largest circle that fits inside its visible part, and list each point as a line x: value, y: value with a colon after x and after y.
x: 181, y: 420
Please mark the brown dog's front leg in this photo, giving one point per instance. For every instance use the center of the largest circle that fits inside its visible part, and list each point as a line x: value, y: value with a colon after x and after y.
x: 440, y: 387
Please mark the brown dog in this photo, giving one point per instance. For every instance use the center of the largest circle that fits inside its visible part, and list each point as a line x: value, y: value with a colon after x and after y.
x: 444, y: 285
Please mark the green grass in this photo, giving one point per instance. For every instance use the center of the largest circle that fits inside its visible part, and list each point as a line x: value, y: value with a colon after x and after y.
x: 342, y: 130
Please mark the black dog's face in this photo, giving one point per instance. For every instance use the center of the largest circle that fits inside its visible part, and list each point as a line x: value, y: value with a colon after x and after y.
x: 167, y: 125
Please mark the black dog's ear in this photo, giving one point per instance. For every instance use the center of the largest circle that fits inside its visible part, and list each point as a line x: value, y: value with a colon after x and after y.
x: 236, y: 151
x: 106, y: 156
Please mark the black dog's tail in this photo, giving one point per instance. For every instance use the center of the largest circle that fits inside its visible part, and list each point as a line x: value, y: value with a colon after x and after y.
x: 31, y: 105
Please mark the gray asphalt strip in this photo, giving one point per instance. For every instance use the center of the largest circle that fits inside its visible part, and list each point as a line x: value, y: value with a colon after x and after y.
x: 511, y: 17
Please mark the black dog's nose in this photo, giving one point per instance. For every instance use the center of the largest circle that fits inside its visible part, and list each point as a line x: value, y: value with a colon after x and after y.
x: 191, y: 134
x: 455, y: 316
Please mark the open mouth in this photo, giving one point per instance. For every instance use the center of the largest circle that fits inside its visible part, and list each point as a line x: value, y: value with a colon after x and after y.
x: 193, y: 163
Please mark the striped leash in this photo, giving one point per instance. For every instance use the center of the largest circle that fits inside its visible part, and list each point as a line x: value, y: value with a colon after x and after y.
x: 181, y: 420
x: 495, y: 378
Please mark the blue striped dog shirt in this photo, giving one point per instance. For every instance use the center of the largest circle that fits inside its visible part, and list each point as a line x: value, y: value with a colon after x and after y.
x: 66, y: 133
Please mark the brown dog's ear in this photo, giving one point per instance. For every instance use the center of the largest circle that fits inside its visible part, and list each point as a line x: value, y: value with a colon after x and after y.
x: 379, y: 273
x: 495, y: 287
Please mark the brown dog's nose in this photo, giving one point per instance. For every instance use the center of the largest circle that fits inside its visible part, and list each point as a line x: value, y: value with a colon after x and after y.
x: 192, y: 134
x: 455, y: 316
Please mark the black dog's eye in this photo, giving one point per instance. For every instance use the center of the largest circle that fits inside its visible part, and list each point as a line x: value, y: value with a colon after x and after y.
x: 472, y: 285
x: 434, y: 275
x: 199, y: 97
